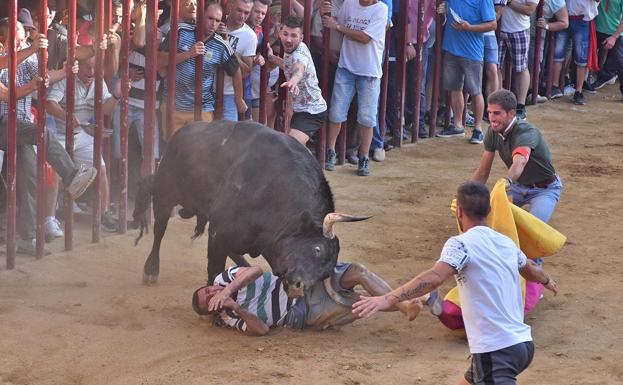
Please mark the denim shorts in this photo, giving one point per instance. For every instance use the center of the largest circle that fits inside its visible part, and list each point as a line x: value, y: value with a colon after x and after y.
x: 578, y: 31
x: 230, y: 110
x: 458, y: 71
x: 491, y: 49
x: 368, y: 89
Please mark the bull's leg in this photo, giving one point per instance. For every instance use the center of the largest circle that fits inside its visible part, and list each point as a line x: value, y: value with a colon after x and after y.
x: 162, y: 208
x: 217, y: 255
x: 239, y: 260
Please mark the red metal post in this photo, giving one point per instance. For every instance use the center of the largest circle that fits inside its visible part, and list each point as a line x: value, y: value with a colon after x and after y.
x: 384, y: 83
x: 11, y: 139
x: 551, y: 38
x: 198, y: 59
x: 436, y: 72
x: 69, y: 121
x: 99, y: 121
x: 125, y: 77
x: 401, y: 72
x: 538, y: 46
x: 41, y: 96
x: 151, y: 57
x: 321, y: 146
x: 508, y: 71
x: 418, y: 79
x: 264, y: 73
x: 220, y: 78
x: 282, y: 122
x: 307, y: 21
x: 172, y: 69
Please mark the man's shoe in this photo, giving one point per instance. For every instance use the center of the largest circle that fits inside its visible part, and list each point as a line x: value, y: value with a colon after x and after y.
x: 329, y: 163
x: 578, y: 98
x: 29, y: 246
x: 556, y: 93
x: 451, y: 132
x: 378, y: 155
x: 352, y: 158
x: 470, y: 120
x: 109, y: 222
x: 435, y: 303
x: 83, y: 178
x: 569, y: 90
x: 588, y: 87
x: 422, y: 133
x: 52, y: 229
x: 600, y: 83
x: 363, y: 169
x: 521, y: 114
x: 477, y: 137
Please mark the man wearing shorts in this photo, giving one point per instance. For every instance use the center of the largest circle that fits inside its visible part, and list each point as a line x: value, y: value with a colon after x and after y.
x: 363, y: 23
x: 253, y: 301
x: 515, y: 37
x: 308, y: 105
x: 486, y: 266
x: 463, y: 45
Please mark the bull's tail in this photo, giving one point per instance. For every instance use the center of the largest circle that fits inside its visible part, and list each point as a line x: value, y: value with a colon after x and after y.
x: 141, y: 205
x: 200, y: 227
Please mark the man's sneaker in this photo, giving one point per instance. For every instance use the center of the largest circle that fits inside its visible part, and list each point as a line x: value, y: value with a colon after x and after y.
x: 578, y: 98
x: 363, y: 169
x: 351, y: 157
x: 83, y: 178
x: 435, y: 303
x: 329, y: 163
x: 29, y: 246
x: 521, y: 114
x: 588, y: 87
x: 556, y: 93
x: 599, y: 83
x: 470, y: 120
x: 378, y: 155
x: 109, y: 222
x: 451, y: 132
x: 52, y: 229
x: 569, y: 90
x: 423, y: 132
x: 477, y: 137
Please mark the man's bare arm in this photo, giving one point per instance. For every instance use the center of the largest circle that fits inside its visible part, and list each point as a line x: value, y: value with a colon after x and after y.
x: 533, y: 273
x: 484, y: 167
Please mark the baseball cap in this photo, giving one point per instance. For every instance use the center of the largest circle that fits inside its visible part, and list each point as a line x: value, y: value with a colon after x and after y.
x: 25, y: 18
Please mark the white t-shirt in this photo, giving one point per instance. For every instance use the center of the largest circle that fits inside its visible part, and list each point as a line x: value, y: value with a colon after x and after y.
x: 487, y: 265
x: 582, y: 7
x: 309, y: 99
x: 244, y: 42
x: 514, y: 21
x: 363, y: 59
x: 273, y: 76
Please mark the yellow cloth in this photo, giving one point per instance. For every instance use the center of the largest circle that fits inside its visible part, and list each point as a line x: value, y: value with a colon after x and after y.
x: 533, y: 236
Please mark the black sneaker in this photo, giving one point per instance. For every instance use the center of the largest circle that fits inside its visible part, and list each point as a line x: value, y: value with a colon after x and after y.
x: 363, y: 169
x: 589, y: 88
x: 556, y: 93
x: 329, y: 163
x: 599, y: 83
x: 521, y: 114
x: 578, y: 98
x: 451, y: 132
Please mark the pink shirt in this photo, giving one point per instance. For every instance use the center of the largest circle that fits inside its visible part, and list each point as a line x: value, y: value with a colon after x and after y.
x: 429, y: 14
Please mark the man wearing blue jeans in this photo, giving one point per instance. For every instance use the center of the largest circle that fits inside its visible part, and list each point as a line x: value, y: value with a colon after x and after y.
x: 609, y: 25
x: 363, y: 24
x: 531, y: 176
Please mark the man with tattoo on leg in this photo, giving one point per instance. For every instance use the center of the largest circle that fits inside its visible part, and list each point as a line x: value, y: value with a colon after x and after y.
x: 486, y: 266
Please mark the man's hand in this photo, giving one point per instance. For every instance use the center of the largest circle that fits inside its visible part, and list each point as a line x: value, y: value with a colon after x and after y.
x: 258, y: 60
x: 609, y: 42
x: 217, y: 302
x: 329, y: 22
x: 222, y: 30
x: 198, y: 49
x: 541, y: 23
x: 326, y: 8
x: 113, y: 39
x: 241, y: 105
x: 103, y: 45
x: 292, y: 86
x: 411, y: 52
x: 366, y: 306
x: 551, y: 285
x: 136, y: 74
x: 441, y: 9
x: 507, y: 183
x: 462, y: 26
x: 40, y: 42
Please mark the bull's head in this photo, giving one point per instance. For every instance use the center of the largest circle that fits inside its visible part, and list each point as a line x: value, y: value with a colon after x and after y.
x: 310, y: 254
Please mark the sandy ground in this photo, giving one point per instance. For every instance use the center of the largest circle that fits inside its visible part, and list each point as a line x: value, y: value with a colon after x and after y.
x: 85, y: 318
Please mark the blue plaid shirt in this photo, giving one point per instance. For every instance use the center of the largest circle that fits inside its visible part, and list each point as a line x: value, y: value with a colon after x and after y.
x: 26, y: 71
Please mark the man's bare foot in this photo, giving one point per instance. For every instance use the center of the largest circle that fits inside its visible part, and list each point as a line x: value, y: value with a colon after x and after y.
x: 413, y: 308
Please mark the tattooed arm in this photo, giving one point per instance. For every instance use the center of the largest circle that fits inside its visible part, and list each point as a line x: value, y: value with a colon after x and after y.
x: 417, y: 287
x: 298, y: 69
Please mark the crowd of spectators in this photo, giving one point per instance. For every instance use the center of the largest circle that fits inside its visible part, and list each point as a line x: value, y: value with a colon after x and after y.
x: 588, y: 54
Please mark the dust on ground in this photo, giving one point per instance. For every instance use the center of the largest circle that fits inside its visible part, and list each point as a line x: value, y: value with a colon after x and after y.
x: 83, y: 317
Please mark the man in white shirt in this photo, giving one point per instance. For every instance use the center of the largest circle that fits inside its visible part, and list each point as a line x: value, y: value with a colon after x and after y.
x: 363, y: 23
x: 515, y: 36
x: 244, y: 42
x: 486, y: 266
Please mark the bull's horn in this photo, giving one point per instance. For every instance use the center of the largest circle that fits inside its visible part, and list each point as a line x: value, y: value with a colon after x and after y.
x: 331, y: 218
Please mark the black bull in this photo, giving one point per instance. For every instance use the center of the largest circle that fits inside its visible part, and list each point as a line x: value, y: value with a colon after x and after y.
x: 262, y: 193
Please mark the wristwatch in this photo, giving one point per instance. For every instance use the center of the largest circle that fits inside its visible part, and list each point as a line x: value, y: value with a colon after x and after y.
x: 547, y: 26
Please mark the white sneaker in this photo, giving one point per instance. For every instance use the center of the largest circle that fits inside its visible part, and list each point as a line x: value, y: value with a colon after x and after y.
x: 378, y: 155
x: 53, y: 228
x: 83, y: 178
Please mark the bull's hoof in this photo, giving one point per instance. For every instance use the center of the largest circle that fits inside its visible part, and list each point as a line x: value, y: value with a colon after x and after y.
x: 150, y: 279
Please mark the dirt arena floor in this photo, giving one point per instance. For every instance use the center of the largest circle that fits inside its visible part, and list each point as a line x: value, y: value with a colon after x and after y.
x: 85, y: 318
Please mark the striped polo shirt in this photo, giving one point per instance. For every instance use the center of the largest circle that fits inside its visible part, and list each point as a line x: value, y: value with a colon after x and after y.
x: 217, y: 51
x: 265, y: 297
x: 136, y: 97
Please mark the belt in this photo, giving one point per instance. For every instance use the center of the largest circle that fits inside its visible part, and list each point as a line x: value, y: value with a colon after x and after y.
x: 576, y: 17
x: 542, y: 184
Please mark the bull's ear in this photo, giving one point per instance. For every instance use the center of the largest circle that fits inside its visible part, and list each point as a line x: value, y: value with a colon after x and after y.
x: 307, y: 222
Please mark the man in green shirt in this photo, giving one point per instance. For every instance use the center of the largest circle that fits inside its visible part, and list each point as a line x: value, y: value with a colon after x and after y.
x: 609, y: 23
x: 531, y: 175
